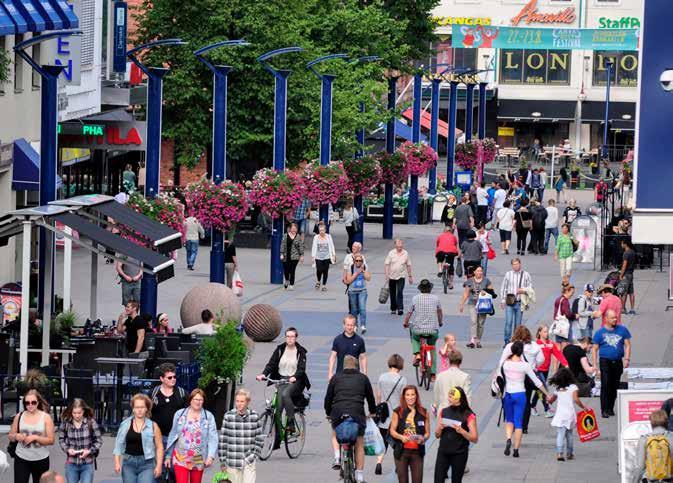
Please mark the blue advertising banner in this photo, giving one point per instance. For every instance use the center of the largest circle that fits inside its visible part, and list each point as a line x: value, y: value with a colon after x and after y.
x: 494, y: 37
x: 119, y: 45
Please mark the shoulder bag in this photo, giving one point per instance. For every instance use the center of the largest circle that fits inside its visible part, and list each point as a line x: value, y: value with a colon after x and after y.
x: 561, y: 326
x: 382, y: 412
x: 510, y: 298
x: 11, y: 447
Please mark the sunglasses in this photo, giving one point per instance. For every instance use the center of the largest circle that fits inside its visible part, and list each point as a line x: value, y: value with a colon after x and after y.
x: 170, y: 378
x: 358, y: 260
x: 30, y: 403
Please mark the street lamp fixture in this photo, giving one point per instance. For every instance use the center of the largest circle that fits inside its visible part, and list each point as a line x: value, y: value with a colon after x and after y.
x: 536, y: 114
x: 626, y: 117
x: 666, y: 80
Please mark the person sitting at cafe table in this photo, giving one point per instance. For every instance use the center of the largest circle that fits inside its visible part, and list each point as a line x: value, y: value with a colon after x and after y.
x: 206, y: 327
x: 133, y: 326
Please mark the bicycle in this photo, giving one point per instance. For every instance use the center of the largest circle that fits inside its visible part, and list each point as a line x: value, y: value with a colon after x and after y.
x: 347, y: 456
x: 274, y: 426
x: 447, y: 270
x: 424, y: 366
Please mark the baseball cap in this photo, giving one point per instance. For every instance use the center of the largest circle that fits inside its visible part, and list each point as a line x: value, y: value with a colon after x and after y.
x: 589, y: 287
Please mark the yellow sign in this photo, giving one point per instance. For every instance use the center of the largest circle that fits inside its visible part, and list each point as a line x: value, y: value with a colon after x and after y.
x: 505, y: 131
x: 443, y: 21
x: 71, y: 154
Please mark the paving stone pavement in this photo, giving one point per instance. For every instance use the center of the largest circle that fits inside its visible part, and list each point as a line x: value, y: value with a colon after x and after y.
x: 318, y: 317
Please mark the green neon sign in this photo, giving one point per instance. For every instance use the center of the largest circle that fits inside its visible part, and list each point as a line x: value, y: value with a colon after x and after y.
x: 78, y: 129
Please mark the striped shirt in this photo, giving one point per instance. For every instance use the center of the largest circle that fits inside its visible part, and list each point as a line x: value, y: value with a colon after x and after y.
x: 513, y: 281
x: 241, y: 439
x: 70, y: 437
x: 300, y: 212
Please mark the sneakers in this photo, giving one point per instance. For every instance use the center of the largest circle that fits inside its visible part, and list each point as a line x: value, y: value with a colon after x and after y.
x: 559, y: 457
x: 478, y: 345
x: 400, y: 312
x: 631, y: 312
x: 290, y: 288
x: 336, y: 464
x: 508, y: 447
x: 324, y: 288
x: 363, y: 329
x: 378, y: 470
x: 317, y: 285
x: 533, y: 412
x: 570, y: 457
x: 285, y: 285
x: 515, y: 453
x: 470, y: 345
x: 549, y: 413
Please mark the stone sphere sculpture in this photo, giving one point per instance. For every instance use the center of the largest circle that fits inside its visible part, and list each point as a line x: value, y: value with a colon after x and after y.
x: 216, y: 297
x: 262, y: 323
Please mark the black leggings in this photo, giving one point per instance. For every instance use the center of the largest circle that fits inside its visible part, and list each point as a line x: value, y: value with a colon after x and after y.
x: 445, y: 460
x: 351, y: 234
x: 410, y: 461
x: 530, y: 387
x: 24, y: 469
x: 289, y: 269
x: 322, y: 270
x: 521, y: 236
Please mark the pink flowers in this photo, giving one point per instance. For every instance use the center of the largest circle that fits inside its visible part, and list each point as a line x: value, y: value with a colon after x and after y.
x: 393, y: 167
x: 164, y: 208
x: 420, y: 158
x: 325, y: 184
x: 216, y: 206
x: 363, y: 174
x: 277, y: 193
x: 467, y: 154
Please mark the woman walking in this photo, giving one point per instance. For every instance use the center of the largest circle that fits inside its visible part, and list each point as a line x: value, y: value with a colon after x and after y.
x: 454, y: 441
x: 549, y: 349
x: 388, y: 389
x: 323, y: 254
x: 505, y: 224
x: 351, y: 219
x: 80, y: 439
x: 139, y: 449
x: 193, y: 441
x: 291, y: 254
x: 356, y: 283
x: 523, y: 223
x: 474, y: 287
x: 449, y: 211
x: 565, y: 418
x: 410, y: 428
x: 33, y: 431
x: 515, y: 370
x: 561, y: 184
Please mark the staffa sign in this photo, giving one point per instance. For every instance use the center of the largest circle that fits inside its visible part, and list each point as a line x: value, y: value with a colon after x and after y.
x: 444, y: 21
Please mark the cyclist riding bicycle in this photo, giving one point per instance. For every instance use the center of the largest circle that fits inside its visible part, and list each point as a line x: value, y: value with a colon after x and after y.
x: 427, y: 314
x: 288, y: 361
x: 446, y: 249
x: 345, y: 404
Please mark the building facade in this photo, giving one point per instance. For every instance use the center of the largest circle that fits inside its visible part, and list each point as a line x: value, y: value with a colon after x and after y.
x: 550, y: 95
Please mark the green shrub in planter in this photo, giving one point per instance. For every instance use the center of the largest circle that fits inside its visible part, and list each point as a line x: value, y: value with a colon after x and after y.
x: 222, y: 356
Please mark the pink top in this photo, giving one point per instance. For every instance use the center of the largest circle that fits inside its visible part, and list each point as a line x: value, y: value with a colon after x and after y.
x: 443, y: 360
x: 611, y: 302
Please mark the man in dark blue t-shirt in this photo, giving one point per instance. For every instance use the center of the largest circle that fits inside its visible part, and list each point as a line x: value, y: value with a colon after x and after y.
x: 345, y: 344
x: 611, y: 344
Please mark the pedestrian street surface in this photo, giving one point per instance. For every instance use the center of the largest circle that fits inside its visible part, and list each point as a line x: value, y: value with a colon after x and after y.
x: 318, y: 318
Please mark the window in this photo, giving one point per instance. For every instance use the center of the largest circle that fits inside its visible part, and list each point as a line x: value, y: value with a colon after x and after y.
x: 87, y: 24
x: 624, y: 68
x: 458, y: 57
x: 36, y: 58
x: 18, y: 66
x: 535, y: 67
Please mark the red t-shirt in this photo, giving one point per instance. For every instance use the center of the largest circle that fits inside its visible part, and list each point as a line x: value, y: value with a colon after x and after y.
x: 611, y: 302
x: 447, y: 243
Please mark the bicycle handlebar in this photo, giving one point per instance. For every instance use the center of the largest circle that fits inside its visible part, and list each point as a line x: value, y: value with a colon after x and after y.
x: 276, y: 381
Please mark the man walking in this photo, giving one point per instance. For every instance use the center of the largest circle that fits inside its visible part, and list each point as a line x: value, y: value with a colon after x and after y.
x: 482, y: 203
x: 612, y: 348
x: 516, y: 283
x: 193, y: 232
x: 550, y: 225
x: 450, y: 378
x: 348, y: 343
x: 464, y: 218
x: 626, y: 275
x: 241, y: 440
x: 397, y: 266
x: 301, y: 217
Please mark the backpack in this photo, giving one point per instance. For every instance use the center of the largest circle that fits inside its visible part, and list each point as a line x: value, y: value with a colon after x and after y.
x: 658, y: 464
x: 576, y: 306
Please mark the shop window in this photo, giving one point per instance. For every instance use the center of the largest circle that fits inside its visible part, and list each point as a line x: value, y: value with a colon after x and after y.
x: 535, y: 67
x: 624, y: 68
x: 458, y: 57
x: 18, y: 66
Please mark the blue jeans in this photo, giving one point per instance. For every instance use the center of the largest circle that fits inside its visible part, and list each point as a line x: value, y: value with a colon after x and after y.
x: 513, y: 316
x: 357, y: 305
x: 79, y: 473
x: 484, y: 262
x: 567, y: 435
x: 192, y: 247
x: 548, y: 233
x: 136, y: 469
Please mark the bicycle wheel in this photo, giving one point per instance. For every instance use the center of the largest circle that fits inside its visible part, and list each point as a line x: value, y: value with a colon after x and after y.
x: 348, y: 469
x: 427, y: 362
x: 294, y: 443
x: 419, y: 374
x: 269, y: 432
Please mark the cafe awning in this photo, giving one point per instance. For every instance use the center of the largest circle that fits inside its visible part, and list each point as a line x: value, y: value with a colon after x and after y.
x: 19, y: 16
x: 426, y: 122
x: 594, y: 111
x: 536, y: 110
x: 26, y: 172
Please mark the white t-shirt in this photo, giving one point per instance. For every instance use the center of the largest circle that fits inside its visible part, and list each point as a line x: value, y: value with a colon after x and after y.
x: 506, y: 219
x: 348, y: 261
x: 552, y: 217
x: 565, y: 416
x: 200, y: 329
x: 482, y: 197
x: 499, y: 198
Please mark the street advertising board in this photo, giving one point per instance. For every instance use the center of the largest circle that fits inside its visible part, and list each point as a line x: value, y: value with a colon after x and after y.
x: 10, y: 300
x: 585, y: 230
x: 633, y: 411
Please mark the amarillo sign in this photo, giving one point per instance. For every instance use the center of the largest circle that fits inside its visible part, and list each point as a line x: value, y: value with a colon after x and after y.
x: 529, y: 14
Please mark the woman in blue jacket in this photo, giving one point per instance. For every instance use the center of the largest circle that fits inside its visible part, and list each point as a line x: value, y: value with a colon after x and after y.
x: 193, y: 441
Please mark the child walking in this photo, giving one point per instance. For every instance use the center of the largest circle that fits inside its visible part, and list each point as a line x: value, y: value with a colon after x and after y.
x: 449, y: 345
x: 564, y: 421
x: 549, y: 349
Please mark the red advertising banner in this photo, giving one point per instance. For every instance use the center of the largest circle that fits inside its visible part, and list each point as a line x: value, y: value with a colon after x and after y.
x: 587, y: 425
x: 640, y: 410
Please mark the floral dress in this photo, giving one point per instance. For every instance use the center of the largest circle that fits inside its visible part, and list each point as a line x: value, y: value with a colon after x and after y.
x: 188, y: 450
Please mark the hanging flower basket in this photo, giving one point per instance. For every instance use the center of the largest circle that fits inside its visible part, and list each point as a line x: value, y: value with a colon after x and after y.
x: 276, y: 193
x: 419, y: 157
x: 393, y: 167
x: 363, y: 174
x: 164, y: 208
x: 216, y: 206
x: 467, y: 154
x: 325, y: 184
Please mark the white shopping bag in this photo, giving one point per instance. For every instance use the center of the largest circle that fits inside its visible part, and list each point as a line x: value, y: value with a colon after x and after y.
x: 237, y: 284
x: 373, y: 440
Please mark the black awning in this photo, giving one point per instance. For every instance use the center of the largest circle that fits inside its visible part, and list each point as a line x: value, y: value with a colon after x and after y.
x: 161, y: 265
x: 541, y: 110
x: 622, y: 125
x: 594, y: 111
x: 9, y: 227
x: 163, y: 238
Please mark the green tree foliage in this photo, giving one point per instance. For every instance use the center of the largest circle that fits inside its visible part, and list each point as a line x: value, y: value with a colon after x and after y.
x: 398, y: 32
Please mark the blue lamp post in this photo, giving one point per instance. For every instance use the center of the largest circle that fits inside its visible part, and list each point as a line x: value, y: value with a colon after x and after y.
x: 481, y: 122
x: 155, y: 76
x: 412, y: 208
x: 279, y: 139
x: 325, y: 118
x: 48, y: 170
x: 606, y: 127
x: 390, y: 148
x: 451, y: 135
x: 220, y: 74
x: 469, y: 110
x: 434, y: 131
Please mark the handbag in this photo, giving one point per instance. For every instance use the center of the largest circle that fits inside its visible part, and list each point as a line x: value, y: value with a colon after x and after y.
x: 383, y: 295
x: 491, y: 253
x: 11, y: 447
x: 382, y: 412
x: 356, y: 224
x: 575, y: 243
x: 459, y: 267
x: 561, y: 325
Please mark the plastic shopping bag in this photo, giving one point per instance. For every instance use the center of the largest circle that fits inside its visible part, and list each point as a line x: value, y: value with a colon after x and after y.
x: 373, y: 440
x: 383, y: 295
x: 237, y: 284
x: 484, y: 304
